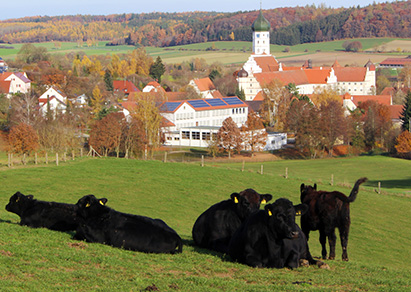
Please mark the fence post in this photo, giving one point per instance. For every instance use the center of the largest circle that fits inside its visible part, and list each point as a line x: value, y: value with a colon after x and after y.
x: 262, y: 169
x: 165, y: 157
x: 379, y: 188
x: 35, y: 158
x: 24, y: 158
x: 286, y: 172
x: 65, y: 157
x: 9, y: 158
x: 332, y: 179
x: 81, y: 152
x: 202, y: 160
x: 57, y: 158
x: 242, y: 168
x: 72, y: 154
x: 47, y: 158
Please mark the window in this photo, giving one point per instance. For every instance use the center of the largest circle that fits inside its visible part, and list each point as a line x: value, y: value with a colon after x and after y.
x: 185, y: 135
x: 196, y: 135
x: 258, y: 35
x: 206, y: 136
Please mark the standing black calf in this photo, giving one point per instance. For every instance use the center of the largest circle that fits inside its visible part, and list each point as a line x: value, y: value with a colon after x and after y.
x: 51, y: 215
x: 213, y: 228
x: 327, y: 211
x: 101, y: 224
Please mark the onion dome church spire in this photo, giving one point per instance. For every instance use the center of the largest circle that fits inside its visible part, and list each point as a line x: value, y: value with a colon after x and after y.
x: 261, y: 35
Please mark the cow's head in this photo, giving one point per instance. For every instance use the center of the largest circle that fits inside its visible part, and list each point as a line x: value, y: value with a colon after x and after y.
x: 249, y: 201
x: 281, y: 217
x: 90, y: 206
x: 18, y: 203
x: 306, y: 189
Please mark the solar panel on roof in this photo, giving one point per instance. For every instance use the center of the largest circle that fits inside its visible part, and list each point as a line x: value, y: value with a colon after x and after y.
x: 170, y: 106
x: 198, y: 103
x: 216, y: 102
x: 233, y: 100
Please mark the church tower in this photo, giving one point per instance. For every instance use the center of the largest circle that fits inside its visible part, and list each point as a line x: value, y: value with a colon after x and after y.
x: 261, y: 35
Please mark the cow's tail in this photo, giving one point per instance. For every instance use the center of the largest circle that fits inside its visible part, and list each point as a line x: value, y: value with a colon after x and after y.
x: 354, y: 192
x: 355, y: 189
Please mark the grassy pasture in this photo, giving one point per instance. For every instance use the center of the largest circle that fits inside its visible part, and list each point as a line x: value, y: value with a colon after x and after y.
x: 39, y: 259
x: 239, y: 51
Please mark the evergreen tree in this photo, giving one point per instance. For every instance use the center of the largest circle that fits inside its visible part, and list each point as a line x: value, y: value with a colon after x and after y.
x: 157, y: 69
x: 240, y: 93
x: 213, y: 74
x: 108, y: 80
x: 406, y: 112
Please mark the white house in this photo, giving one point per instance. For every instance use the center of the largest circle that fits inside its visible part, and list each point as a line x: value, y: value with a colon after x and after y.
x: 205, y: 88
x: 194, y: 122
x: 14, y: 82
x: 56, y: 99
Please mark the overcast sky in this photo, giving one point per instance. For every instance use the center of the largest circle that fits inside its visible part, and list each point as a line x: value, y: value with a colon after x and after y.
x: 21, y: 8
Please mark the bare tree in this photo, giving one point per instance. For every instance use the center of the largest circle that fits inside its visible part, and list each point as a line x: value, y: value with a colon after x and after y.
x: 229, y: 136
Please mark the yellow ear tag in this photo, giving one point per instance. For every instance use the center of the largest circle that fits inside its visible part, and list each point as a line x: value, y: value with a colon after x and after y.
x: 298, y: 213
x: 101, y: 202
x: 18, y: 199
x: 235, y: 200
x: 269, y: 213
x: 263, y: 201
x: 87, y: 205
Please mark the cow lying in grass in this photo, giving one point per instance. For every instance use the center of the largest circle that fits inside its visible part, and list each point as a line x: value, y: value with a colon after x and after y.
x: 270, y: 238
x: 213, y: 228
x: 327, y: 211
x: 51, y: 215
x: 101, y: 224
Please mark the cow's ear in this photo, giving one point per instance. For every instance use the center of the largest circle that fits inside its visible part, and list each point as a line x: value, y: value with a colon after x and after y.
x: 300, y: 209
x: 315, y: 186
x: 103, y: 201
x: 30, y: 197
x: 234, y: 197
x: 267, y: 209
x: 265, y: 198
x: 302, y: 187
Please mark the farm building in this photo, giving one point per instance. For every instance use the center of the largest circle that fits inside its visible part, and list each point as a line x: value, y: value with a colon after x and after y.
x: 396, y: 62
x: 262, y: 67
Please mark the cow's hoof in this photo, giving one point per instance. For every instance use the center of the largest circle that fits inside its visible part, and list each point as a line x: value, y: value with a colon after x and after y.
x: 304, y: 263
x: 331, y: 258
x: 323, y: 265
x: 345, y: 259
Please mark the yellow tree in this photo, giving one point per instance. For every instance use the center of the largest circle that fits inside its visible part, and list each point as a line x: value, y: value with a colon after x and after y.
x: 96, y: 100
x: 323, y: 96
x: 403, y: 145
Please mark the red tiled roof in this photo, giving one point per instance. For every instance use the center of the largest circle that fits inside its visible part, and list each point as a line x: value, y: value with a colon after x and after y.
x: 317, y: 76
x: 381, y: 99
x: 125, y: 86
x: 350, y: 74
x: 267, y: 63
x: 216, y: 94
x: 154, y: 84
x: 166, y: 123
x: 297, y: 77
x: 259, y: 96
x: 396, y: 62
x: 204, y: 84
x: 4, y: 75
x: 5, y: 86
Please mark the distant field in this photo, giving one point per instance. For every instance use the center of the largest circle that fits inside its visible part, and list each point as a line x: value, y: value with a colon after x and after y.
x: 43, y: 260
x: 238, y: 52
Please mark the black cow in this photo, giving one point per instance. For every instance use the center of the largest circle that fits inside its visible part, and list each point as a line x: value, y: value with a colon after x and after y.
x: 327, y: 211
x: 270, y: 238
x: 213, y: 228
x: 101, y: 224
x: 51, y: 215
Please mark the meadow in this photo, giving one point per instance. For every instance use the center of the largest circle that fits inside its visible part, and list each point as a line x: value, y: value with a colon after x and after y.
x: 237, y: 52
x: 44, y: 260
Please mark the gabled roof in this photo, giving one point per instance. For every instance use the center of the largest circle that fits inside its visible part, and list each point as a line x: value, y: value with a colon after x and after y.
x: 216, y: 94
x: 43, y: 101
x: 317, y: 76
x: 5, y: 86
x: 298, y: 77
x: 266, y: 63
x: 350, y: 74
x: 124, y: 86
x: 396, y: 62
x: 357, y: 99
x: 395, y: 111
x: 19, y: 75
x: 204, y: 84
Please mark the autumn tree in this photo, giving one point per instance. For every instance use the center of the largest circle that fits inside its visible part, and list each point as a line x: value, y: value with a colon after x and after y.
x: 157, y: 69
x: 23, y: 139
x: 97, y: 101
x: 134, y: 137
x: 405, y: 75
x: 324, y: 95
x: 105, y: 135
x: 254, y: 135
x: 403, y: 144
x: 229, y: 136
x: 276, y: 102
x: 406, y: 113
x: 23, y: 109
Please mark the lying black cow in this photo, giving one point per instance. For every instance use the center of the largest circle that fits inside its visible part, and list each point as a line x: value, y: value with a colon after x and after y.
x: 51, y: 215
x: 270, y: 238
x: 213, y: 229
x: 101, y: 224
x: 327, y: 211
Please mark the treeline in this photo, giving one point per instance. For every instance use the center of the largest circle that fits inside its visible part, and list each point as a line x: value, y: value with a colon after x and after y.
x: 290, y: 26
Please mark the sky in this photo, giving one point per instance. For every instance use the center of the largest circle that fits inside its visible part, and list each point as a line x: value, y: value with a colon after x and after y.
x: 22, y: 8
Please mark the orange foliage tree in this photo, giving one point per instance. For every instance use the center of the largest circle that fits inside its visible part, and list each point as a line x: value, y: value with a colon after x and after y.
x: 229, y: 136
x: 403, y: 145
x: 23, y: 139
x: 254, y: 133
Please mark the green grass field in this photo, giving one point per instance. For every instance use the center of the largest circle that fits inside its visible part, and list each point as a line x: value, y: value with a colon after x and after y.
x: 43, y: 260
x: 234, y: 52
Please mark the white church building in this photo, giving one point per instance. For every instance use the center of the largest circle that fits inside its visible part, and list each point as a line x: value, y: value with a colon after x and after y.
x: 262, y: 67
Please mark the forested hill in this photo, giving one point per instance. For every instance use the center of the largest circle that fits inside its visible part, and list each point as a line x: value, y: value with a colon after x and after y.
x: 290, y: 26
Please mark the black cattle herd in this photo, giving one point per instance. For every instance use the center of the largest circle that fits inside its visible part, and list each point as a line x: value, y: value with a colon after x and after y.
x: 256, y: 237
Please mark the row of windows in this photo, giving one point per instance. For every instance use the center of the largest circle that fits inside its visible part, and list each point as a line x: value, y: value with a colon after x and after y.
x: 196, y: 135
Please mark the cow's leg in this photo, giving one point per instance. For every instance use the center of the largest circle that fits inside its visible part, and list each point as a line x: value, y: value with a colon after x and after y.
x: 332, y: 240
x: 344, y: 240
x: 323, y: 241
